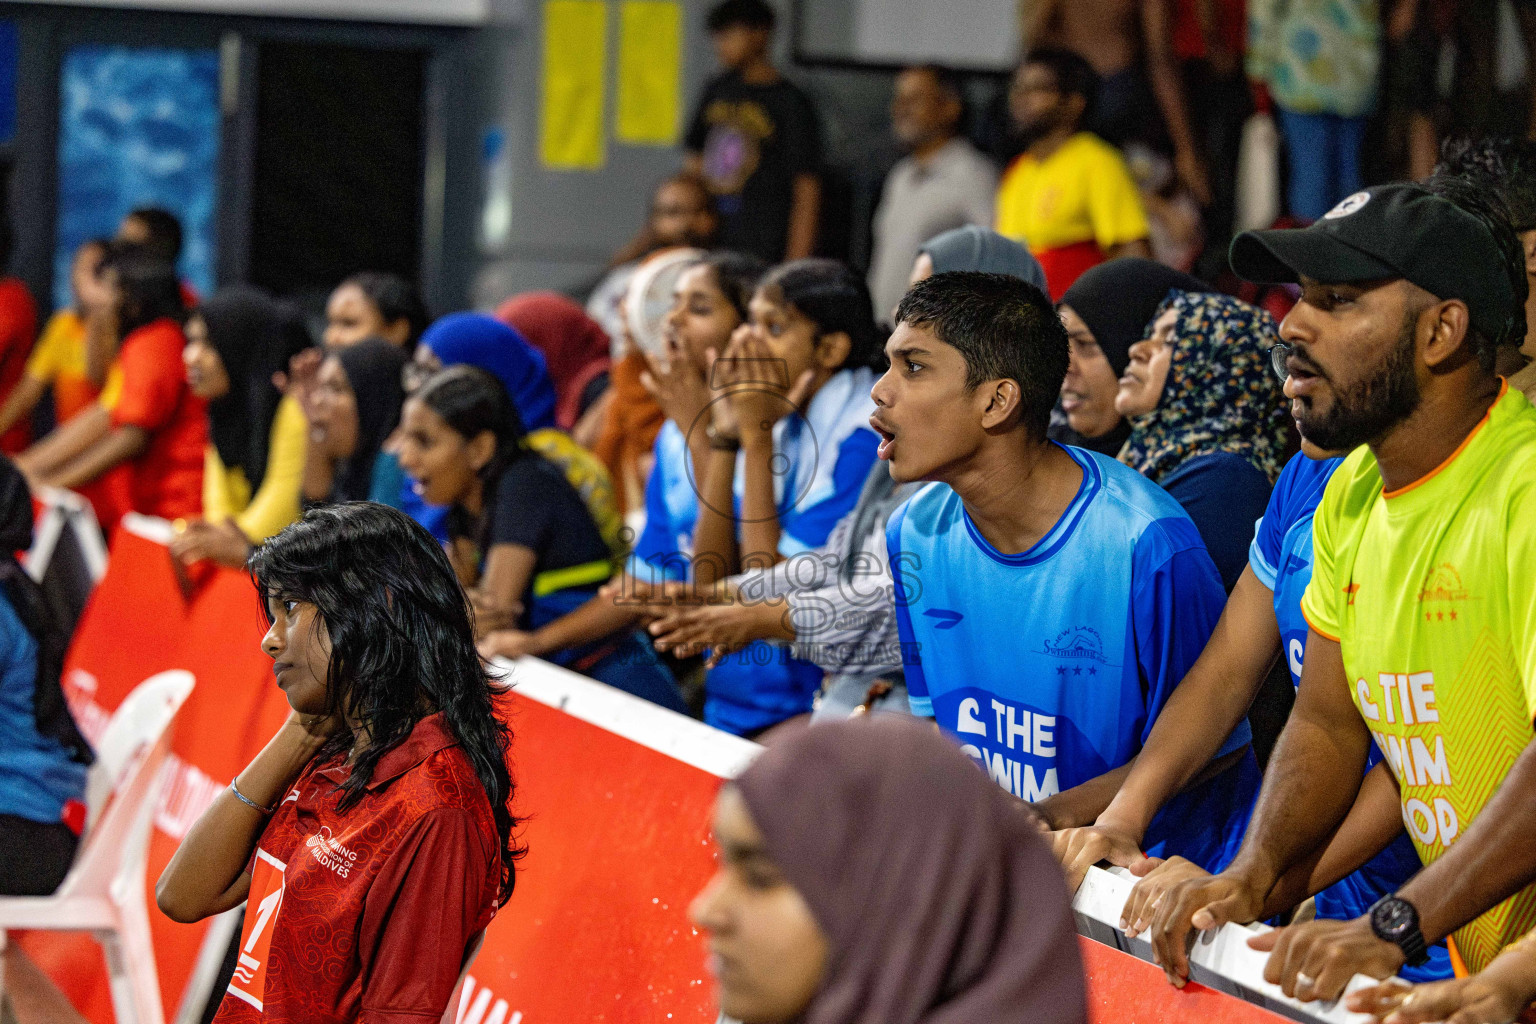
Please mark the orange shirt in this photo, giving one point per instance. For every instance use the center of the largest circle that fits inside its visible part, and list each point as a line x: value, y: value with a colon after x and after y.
x: 18, y: 329
x: 168, y: 476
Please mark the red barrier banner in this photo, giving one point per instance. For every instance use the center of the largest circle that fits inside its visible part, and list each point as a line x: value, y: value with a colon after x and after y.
x: 616, y: 794
x: 1123, y: 989
x: 618, y: 844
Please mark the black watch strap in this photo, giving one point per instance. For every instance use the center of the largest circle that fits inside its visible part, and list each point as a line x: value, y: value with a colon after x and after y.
x: 1395, y: 920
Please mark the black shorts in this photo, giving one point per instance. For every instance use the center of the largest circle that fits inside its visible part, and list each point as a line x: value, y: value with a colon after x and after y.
x: 34, y: 858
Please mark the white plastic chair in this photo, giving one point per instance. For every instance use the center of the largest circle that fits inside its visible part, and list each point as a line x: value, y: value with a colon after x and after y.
x: 104, y: 892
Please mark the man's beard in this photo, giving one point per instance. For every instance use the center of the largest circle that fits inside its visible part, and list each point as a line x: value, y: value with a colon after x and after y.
x: 1028, y: 135
x: 1370, y: 407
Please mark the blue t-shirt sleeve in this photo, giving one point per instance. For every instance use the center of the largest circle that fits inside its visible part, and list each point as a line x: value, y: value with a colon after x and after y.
x: 918, y: 697
x: 805, y: 529
x: 1175, y: 601
x: 1267, y: 549
x: 655, y: 539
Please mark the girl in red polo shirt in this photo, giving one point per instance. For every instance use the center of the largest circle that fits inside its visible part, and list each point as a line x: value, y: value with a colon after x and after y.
x: 372, y: 836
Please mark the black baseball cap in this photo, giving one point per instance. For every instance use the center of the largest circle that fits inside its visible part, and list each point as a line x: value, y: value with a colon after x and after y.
x: 1390, y: 231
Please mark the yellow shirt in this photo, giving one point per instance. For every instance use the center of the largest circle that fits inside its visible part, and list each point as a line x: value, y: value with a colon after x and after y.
x: 61, y: 349
x: 58, y: 359
x: 227, y: 493
x: 1083, y: 192
x: 1431, y: 592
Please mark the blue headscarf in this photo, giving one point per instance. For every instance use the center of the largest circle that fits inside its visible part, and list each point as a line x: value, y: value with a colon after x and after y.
x: 491, y: 345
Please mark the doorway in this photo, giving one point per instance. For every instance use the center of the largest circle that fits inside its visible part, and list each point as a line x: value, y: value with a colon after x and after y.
x: 338, y: 166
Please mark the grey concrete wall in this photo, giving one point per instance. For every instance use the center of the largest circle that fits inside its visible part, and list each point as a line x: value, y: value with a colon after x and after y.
x: 564, y: 224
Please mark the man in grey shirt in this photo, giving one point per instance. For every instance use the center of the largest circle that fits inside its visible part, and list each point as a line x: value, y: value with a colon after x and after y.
x: 943, y: 182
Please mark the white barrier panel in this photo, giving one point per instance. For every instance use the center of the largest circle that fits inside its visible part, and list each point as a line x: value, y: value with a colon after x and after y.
x: 1220, y: 960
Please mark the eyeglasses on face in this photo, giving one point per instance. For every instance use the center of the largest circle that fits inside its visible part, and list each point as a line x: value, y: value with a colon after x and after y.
x: 1278, y: 354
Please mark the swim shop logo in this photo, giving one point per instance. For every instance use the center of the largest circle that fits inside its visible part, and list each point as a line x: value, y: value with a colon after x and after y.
x: 329, y: 851
x: 1077, y: 643
x: 1443, y: 585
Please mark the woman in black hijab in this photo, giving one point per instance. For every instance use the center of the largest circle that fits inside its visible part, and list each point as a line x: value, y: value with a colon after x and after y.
x: 1106, y: 311
x: 236, y: 342
x: 354, y: 408
x: 834, y: 905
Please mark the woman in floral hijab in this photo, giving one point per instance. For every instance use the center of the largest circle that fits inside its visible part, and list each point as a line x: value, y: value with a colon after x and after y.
x: 1209, y: 420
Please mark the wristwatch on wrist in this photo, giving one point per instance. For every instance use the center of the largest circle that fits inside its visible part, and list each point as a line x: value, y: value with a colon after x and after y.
x: 1395, y: 920
x: 721, y: 442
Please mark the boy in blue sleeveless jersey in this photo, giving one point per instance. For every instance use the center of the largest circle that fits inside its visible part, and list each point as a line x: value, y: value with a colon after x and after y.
x: 1049, y: 599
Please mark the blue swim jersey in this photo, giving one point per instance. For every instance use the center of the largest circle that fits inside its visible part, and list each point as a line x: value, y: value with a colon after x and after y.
x: 822, y: 459
x: 1050, y: 666
x: 1281, y: 559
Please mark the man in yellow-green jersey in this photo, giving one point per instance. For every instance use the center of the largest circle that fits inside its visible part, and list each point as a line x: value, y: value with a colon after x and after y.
x: 1422, y: 604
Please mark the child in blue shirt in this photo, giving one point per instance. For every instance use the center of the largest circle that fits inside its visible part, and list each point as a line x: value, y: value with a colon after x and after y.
x: 1049, y: 599
x: 788, y: 446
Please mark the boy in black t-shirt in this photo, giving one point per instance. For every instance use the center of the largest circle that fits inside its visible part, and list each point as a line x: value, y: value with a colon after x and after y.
x: 755, y: 139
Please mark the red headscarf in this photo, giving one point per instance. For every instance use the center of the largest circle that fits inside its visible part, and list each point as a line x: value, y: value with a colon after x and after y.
x: 574, y: 345
x: 940, y: 901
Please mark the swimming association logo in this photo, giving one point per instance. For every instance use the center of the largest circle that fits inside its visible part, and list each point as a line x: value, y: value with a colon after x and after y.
x: 329, y: 851
x: 1078, y: 643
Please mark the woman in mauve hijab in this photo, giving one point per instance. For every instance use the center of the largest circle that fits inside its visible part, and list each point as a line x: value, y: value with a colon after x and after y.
x: 837, y: 903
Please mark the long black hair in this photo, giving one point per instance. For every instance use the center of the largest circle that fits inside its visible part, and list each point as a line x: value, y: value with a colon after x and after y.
x: 149, y: 286
x: 255, y: 337
x: 472, y: 401
x: 402, y: 643
x: 835, y: 299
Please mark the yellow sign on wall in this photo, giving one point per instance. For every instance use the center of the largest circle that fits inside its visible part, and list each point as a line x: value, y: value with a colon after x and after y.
x: 650, y: 72
x: 575, y: 55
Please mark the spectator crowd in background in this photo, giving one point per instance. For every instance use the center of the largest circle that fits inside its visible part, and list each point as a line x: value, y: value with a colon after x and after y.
x: 1208, y: 541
